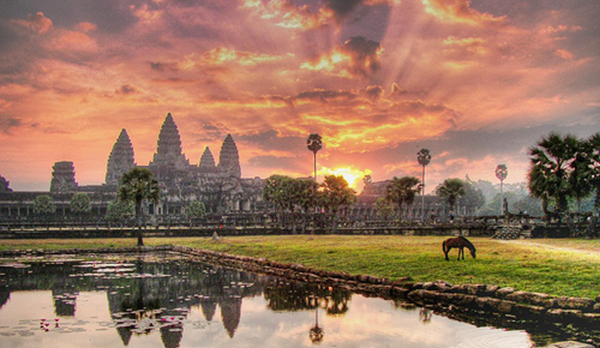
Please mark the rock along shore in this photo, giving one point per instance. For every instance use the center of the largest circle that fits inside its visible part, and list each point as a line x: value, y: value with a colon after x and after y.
x: 503, y: 304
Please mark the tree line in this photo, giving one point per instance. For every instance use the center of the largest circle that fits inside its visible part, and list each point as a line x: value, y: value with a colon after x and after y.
x: 303, y: 197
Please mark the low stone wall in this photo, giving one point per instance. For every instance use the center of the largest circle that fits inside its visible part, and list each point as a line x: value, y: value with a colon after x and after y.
x: 102, y: 231
x: 474, y: 299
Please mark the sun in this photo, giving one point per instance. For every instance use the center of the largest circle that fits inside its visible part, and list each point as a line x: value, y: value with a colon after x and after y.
x: 351, y: 175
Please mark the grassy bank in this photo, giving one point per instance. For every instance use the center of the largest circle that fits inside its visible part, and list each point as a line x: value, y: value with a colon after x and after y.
x: 571, y: 268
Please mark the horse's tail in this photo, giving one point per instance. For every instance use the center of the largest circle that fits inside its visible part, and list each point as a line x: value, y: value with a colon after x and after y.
x: 444, y: 246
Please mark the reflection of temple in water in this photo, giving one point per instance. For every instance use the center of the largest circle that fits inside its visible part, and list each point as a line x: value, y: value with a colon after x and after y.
x: 148, y: 296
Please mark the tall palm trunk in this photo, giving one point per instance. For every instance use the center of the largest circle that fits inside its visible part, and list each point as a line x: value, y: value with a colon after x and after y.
x: 138, y: 215
x: 315, y: 164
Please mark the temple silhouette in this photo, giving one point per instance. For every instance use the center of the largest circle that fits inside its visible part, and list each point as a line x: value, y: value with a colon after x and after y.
x: 219, y: 186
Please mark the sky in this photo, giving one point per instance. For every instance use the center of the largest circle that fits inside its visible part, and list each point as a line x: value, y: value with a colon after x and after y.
x: 476, y: 82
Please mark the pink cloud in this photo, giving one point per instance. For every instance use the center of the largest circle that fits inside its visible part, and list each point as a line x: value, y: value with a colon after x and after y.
x: 37, y: 22
x: 86, y: 27
x: 564, y: 54
x: 74, y: 41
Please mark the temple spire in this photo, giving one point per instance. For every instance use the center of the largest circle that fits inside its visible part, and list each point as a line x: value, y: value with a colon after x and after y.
x: 229, y: 159
x: 207, y: 162
x: 120, y: 160
x: 168, y: 150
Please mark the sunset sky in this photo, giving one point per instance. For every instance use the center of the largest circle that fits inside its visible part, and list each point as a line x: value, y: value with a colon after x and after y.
x: 476, y: 82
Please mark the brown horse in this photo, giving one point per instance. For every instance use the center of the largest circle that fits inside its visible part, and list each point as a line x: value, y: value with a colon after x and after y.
x: 459, y: 242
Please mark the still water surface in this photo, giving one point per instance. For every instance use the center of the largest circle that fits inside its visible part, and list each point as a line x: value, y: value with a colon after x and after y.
x: 169, y: 301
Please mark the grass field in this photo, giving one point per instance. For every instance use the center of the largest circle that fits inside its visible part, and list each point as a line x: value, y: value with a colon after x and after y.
x: 557, y: 267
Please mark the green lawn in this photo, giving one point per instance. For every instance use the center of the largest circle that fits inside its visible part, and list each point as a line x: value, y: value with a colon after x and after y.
x: 557, y: 267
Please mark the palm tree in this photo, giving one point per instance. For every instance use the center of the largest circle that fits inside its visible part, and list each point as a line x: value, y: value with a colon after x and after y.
x: 314, y: 143
x: 402, y: 191
x: 424, y: 157
x: 551, y: 167
x: 138, y: 185
x: 501, y: 174
x: 452, y: 190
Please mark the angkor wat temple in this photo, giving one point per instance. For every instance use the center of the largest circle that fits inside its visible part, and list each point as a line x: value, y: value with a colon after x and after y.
x: 219, y: 186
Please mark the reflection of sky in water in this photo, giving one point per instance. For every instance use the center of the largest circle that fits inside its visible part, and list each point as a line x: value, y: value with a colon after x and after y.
x: 368, y: 322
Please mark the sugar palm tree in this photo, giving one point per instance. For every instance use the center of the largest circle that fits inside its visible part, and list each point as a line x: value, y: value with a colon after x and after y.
x: 551, y: 167
x: 424, y: 157
x: 452, y: 190
x: 402, y: 191
x: 501, y: 174
x: 314, y: 143
x: 138, y: 185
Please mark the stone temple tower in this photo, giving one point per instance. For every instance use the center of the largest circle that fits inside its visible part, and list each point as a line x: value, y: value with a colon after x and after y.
x: 120, y: 160
x: 229, y: 159
x: 168, y: 152
x: 207, y: 162
x: 63, y: 177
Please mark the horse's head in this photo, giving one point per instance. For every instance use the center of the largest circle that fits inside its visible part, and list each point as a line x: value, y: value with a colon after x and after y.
x: 473, y: 250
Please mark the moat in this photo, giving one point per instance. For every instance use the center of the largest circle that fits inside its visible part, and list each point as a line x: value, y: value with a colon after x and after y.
x: 166, y: 300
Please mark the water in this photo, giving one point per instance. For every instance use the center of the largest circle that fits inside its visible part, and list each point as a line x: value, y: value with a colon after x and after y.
x: 169, y: 301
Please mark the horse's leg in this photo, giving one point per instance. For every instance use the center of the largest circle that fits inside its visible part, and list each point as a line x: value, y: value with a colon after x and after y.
x: 460, y: 249
x: 446, y: 250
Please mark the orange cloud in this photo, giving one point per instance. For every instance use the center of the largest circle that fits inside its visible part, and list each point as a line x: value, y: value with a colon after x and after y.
x: 458, y: 11
x: 287, y: 15
x: 357, y: 57
x: 376, y: 124
x: 145, y: 14
x: 222, y: 55
x: 561, y: 29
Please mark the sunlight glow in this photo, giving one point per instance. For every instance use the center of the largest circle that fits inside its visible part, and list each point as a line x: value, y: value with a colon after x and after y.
x: 352, y: 175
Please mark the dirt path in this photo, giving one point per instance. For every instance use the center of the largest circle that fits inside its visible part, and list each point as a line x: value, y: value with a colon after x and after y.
x: 591, y: 253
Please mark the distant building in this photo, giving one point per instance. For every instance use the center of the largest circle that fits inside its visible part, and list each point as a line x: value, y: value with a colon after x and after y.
x: 219, y: 186
x: 63, y: 177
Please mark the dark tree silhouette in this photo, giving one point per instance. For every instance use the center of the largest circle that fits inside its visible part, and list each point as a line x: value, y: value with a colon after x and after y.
x: 138, y: 185
x: 402, y: 191
x: 551, y: 167
x: 314, y: 143
x: 424, y: 158
x: 452, y: 189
